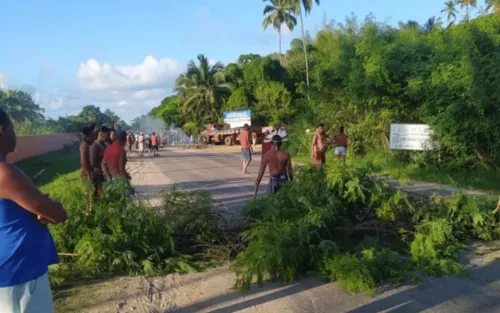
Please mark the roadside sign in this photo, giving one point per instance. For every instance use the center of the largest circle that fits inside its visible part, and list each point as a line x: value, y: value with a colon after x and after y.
x: 416, y: 137
x: 238, y: 118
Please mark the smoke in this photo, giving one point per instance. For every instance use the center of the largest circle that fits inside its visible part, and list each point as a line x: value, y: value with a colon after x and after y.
x: 174, y: 135
x: 148, y: 124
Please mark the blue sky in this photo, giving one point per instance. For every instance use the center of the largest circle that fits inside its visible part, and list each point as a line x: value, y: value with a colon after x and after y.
x: 125, y: 55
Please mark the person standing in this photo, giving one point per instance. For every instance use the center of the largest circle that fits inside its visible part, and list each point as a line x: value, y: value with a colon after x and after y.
x: 318, y: 148
x: 27, y: 248
x: 246, y: 148
x: 254, y: 139
x: 96, y: 156
x: 341, y: 142
x: 129, y: 142
x: 88, y: 139
x: 115, y: 159
x: 154, y: 144
x: 280, y: 167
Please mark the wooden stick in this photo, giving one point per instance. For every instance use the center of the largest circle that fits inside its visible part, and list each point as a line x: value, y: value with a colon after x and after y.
x: 69, y: 254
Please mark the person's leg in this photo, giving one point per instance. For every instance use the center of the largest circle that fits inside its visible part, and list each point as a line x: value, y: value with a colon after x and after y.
x: 32, y: 297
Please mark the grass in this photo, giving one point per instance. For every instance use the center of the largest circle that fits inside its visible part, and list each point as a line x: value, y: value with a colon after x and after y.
x: 56, y: 163
x: 479, y: 179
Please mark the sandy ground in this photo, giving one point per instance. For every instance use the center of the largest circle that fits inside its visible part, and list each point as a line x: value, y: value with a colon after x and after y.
x: 218, y: 171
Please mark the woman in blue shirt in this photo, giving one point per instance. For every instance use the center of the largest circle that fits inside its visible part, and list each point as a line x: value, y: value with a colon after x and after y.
x: 26, y: 246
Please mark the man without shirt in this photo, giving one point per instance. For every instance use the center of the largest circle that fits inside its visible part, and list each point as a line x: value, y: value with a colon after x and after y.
x: 280, y: 167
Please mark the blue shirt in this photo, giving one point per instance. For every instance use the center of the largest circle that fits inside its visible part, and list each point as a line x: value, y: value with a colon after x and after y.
x: 26, y: 246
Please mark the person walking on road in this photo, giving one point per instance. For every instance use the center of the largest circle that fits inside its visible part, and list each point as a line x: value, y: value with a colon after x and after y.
x: 254, y: 139
x: 280, y: 167
x: 154, y: 144
x: 246, y: 148
x: 140, y: 144
x: 318, y: 149
x: 341, y: 142
x: 27, y: 248
x: 96, y: 156
x: 129, y: 142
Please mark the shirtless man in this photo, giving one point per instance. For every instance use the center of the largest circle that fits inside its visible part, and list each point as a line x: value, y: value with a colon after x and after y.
x: 280, y: 167
x: 318, y: 148
x: 341, y: 142
x: 88, y: 139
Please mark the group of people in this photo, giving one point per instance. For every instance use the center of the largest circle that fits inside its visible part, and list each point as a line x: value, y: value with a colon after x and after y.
x: 280, y: 161
x: 320, y: 143
x: 103, y: 156
x: 143, y: 142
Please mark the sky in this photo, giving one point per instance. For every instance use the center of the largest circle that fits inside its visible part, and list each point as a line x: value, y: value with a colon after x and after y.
x: 125, y: 55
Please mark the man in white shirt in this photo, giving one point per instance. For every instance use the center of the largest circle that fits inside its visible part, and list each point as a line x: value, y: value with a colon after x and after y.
x: 140, y: 140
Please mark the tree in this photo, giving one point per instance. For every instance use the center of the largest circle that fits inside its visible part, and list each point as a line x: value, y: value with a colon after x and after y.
x: 20, y: 106
x: 493, y: 5
x: 279, y: 12
x: 467, y: 4
x: 274, y: 102
x: 202, y: 91
x: 169, y: 111
x: 307, y: 5
x: 451, y: 12
x: 112, y: 119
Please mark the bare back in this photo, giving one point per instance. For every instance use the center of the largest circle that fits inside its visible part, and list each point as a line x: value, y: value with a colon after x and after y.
x: 277, y: 160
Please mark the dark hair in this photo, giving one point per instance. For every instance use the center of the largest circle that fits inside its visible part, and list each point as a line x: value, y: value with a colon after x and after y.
x: 104, y: 129
x: 342, y: 128
x: 4, y: 118
x: 246, y: 127
x: 276, y: 140
x: 121, y: 135
x: 321, y: 125
x: 153, y: 134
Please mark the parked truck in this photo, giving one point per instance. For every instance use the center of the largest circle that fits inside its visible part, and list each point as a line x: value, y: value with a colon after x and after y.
x: 224, y: 134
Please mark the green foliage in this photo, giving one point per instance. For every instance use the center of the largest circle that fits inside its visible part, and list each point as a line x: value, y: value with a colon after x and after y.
x: 119, y: 235
x: 351, y: 229
x: 169, y: 111
x: 275, y: 101
x: 191, y: 128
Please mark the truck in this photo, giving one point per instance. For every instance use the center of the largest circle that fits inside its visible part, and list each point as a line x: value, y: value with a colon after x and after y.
x: 214, y: 133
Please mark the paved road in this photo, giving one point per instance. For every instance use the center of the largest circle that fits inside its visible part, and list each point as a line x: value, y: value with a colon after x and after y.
x: 218, y: 171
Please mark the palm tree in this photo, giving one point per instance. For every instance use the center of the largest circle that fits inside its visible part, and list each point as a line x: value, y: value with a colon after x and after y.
x: 202, y: 91
x: 451, y: 12
x: 493, y: 5
x: 20, y: 106
x: 467, y: 4
x: 279, y: 12
x: 307, y: 5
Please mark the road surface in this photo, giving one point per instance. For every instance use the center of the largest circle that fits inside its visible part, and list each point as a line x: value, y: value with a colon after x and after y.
x: 218, y: 171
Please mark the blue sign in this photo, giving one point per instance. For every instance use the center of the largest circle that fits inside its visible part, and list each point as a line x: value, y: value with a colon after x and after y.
x: 238, y: 118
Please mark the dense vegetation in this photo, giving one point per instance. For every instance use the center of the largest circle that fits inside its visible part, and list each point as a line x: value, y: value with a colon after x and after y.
x: 351, y: 229
x: 29, y: 119
x: 365, y: 75
x: 120, y: 235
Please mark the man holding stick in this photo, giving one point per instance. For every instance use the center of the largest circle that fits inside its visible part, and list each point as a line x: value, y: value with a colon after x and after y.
x: 280, y: 167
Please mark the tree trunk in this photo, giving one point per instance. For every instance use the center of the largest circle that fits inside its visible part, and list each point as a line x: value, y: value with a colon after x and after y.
x: 281, y: 56
x: 305, y: 48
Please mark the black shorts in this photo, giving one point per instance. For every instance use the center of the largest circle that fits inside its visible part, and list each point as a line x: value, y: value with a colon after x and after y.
x: 155, y: 147
x: 97, y: 180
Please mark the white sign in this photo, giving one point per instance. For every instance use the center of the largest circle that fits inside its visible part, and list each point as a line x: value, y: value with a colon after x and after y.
x: 238, y: 118
x: 410, y: 137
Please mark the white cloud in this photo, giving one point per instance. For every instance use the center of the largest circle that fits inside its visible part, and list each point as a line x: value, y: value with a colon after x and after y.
x: 48, y: 101
x: 285, y: 31
x: 211, y: 62
x: 3, y: 81
x: 150, y: 74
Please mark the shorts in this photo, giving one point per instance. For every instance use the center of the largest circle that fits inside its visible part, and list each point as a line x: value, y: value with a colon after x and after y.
x: 246, y: 154
x: 340, y: 151
x: 34, y: 296
x: 97, y: 180
x: 155, y: 147
x: 276, y: 182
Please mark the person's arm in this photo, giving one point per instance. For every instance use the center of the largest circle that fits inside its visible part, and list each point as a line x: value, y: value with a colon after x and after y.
x: 19, y: 189
x: 250, y: 141
x: 85, y: 161
x: 313, y: 148
x: 289, y: 169
x: 105, y: 169
x: 262, y: 169
x: 348, y: 140
x: 122, y: 166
